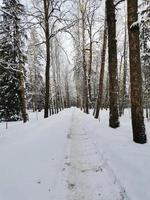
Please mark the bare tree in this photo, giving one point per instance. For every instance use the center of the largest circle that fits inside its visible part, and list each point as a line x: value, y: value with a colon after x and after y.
x: 52, y: 20
x: 91, y: 9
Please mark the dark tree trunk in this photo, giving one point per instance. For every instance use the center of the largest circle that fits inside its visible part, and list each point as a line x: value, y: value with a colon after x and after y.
x: 106, y: 97
x: 21, y: 79
x: 51, y: 101
x: 101, y: 79
x: 113, y: 78
x: 124, y: 92
x: 120, y: 86
x: 90, y: 69
x: 85, y: 87
x: 67, y: 93
x: 47, y: 77
x: 138, y: 126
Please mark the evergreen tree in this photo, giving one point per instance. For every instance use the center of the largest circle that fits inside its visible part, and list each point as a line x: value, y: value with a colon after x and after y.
x: 145, y: 50
x: 12, y: 60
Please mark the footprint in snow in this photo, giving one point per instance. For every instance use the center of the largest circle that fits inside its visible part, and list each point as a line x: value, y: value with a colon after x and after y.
x: 99, y: 169
x: 67, y: 163
x: 38, y: 181
x: 70, y: 185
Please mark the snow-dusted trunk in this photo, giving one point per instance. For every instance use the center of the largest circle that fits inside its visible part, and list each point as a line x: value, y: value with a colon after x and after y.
x: 138, y: 126
x: 22, y: 98
x: 124, y: 92
x: 113, y: 78
x: 85, y: 93
x: 21, y: 76
x: 123, y: 77
x: 101, y: 78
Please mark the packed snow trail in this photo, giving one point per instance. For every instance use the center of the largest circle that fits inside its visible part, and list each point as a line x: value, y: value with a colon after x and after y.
x: 31, y: 155
x: 85, y: 174
x: 71, y: 156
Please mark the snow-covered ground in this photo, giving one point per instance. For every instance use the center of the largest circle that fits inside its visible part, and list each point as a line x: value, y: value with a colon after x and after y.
x: 72, y: 156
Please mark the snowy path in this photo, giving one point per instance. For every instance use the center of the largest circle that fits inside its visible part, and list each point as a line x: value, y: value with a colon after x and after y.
x: 71, y: 156
x: 30, y: 157
x: 85, y: 174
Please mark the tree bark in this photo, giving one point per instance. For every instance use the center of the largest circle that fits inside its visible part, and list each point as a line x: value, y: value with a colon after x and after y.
x: 138, y: 126
x: 113, y: 78
x: 85, y: 93
x: 90, y: 68
x: 21, y: 78
x: 124, y: 92
x: 101, y: 79
x: 22, y: 99
x: 47, y: 77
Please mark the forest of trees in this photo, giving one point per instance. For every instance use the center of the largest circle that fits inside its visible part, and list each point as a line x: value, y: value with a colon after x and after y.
x: 92, y: 54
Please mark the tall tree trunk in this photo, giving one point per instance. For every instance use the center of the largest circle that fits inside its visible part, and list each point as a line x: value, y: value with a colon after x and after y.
x: 138, y: 126
x: 113, y: 78
x: 90, y: 69
x: 106, y: 97
x: 124, y: 92
x: 21, y: 81
x: 120, y: 86
x: 67, y: 92
x: 122, y: 82
x: 101, y: 79
x: 85, y: 93
x: 47, y: 76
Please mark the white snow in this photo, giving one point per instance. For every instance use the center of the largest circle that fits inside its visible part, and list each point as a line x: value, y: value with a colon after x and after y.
x: 72, y: 156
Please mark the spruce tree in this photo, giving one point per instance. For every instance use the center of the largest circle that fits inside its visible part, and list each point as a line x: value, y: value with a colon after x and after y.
x: 145, y: 50
x: 12, y: 60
